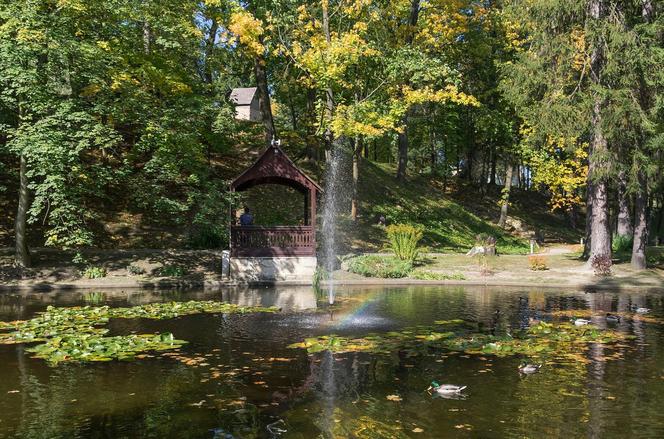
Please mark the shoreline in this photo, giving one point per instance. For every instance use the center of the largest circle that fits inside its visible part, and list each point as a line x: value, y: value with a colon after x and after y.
x: 157, y: 284
x: 55, y: 271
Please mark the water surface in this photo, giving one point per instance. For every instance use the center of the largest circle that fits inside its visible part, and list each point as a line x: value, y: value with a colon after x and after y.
x: 237, y: 378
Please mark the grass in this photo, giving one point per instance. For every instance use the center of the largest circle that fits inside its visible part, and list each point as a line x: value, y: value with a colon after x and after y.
x: 379, y: 266
x: 448, y: 226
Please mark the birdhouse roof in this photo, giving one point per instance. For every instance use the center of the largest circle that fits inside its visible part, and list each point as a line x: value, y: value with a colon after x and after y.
x: 243, y: 95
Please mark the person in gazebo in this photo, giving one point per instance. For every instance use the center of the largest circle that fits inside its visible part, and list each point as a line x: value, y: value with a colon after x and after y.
x: 246, y: 219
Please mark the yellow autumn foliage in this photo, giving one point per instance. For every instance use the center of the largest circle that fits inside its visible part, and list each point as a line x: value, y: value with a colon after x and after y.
x: 559, y: 164
x: 248, y: 31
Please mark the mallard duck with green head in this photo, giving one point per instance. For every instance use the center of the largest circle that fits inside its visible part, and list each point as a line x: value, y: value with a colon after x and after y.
x: 445, y: 389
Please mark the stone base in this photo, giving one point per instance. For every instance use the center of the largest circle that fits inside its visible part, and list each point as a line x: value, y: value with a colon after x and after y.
x: 268, y: 269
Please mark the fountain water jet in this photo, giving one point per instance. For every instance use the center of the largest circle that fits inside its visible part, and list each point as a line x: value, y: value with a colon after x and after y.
x: 333, y: 192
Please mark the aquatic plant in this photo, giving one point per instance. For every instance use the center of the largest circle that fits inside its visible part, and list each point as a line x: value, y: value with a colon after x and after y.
x: 74, y: 334
x: 94, y: 348
x: 94, y: 297
x: 555, y: 340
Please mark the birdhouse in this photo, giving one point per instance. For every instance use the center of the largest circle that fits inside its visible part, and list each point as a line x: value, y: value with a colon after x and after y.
x: 246, y: 104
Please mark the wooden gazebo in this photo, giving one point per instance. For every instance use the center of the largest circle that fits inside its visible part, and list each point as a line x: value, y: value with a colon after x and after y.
x: 274, y: 167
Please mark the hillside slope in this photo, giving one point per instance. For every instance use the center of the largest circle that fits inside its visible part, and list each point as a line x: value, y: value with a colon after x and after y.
x: 450, y: 219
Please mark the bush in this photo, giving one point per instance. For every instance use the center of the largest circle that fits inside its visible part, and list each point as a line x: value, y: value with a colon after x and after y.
x: 172, y: 271
x: 432, y: 275
x: 92, y: 272
x: 208, y: 237
x: 622, y: 243
x: 135, y: 270
x: 602, y: 265
x: 320, y: 274
x: 380, y: 266
x: 537, y: 263
x: 403, y: 241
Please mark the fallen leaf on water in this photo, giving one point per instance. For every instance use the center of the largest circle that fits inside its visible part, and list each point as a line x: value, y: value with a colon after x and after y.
x: 417, y: 430
x: 14, y: 391
x: 393, y: 398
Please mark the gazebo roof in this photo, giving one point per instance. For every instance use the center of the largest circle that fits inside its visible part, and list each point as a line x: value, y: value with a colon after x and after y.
x: 274, y: 166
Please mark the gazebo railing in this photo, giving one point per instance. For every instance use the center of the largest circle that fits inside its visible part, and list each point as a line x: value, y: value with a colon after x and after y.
x: 273, y: 241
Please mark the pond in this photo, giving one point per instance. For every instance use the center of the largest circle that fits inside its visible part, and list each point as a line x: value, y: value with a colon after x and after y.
x: 237, y: 377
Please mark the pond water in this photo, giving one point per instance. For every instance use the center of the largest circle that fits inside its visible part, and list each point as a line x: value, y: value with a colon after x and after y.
x: 236, y: 378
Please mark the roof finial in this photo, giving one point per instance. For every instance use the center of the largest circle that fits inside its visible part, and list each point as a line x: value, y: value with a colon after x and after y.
x: 276, y: 142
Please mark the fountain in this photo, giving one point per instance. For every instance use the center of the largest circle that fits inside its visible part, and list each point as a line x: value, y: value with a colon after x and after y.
x: 333, y: 190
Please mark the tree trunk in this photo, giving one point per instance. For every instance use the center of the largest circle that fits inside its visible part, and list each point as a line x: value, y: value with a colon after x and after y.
x: 600, y: 230
x: 506, y: 194
x: 357, y: 148
x: 147, y: 37
x: 20, y: 224
x: 329, y: 96
x: 264, y: 99
x: 640, y: 224
x: 209, y: 47
x: 311, y: 141
x: 402, y: 143
x: 624, y: 217
x: 494, y: 160
x: 403, y: 137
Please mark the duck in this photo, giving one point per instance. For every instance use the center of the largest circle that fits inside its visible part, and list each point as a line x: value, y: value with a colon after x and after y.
x: 612, y: 318
x: 581, y: 322
x: 445, y: 389
x: 642, y: 310
x: 529, y: 368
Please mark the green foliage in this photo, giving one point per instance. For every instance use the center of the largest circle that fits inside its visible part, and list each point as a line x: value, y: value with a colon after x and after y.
x: 94, y: 297
x: 209, y: 236
x: 433, y: 275
x: 622, y: 243
x: 84, y: 348
x: 537, y: 263
x: 74, y: 335
x: 94, y: 272
x: 135, y: 270
x: 320, y: 274
x: 559, y: 341
x: 404, y: 240
x: 380, y: 266
x: 172, y: 271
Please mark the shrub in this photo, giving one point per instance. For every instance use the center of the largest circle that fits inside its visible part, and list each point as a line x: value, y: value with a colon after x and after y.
x: 432, y: 275
x: 79, y: 259
x: 172, y: 271
x: 208, y: 237
x: 484, y: 263
x: 602, y: 265
x: 537, y: 263
x: 380, y: 266
x: 403, y: 241
x: 622, y: 243
x: 135, y: 270
x: 92, y: 272
x: 319, y: 275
